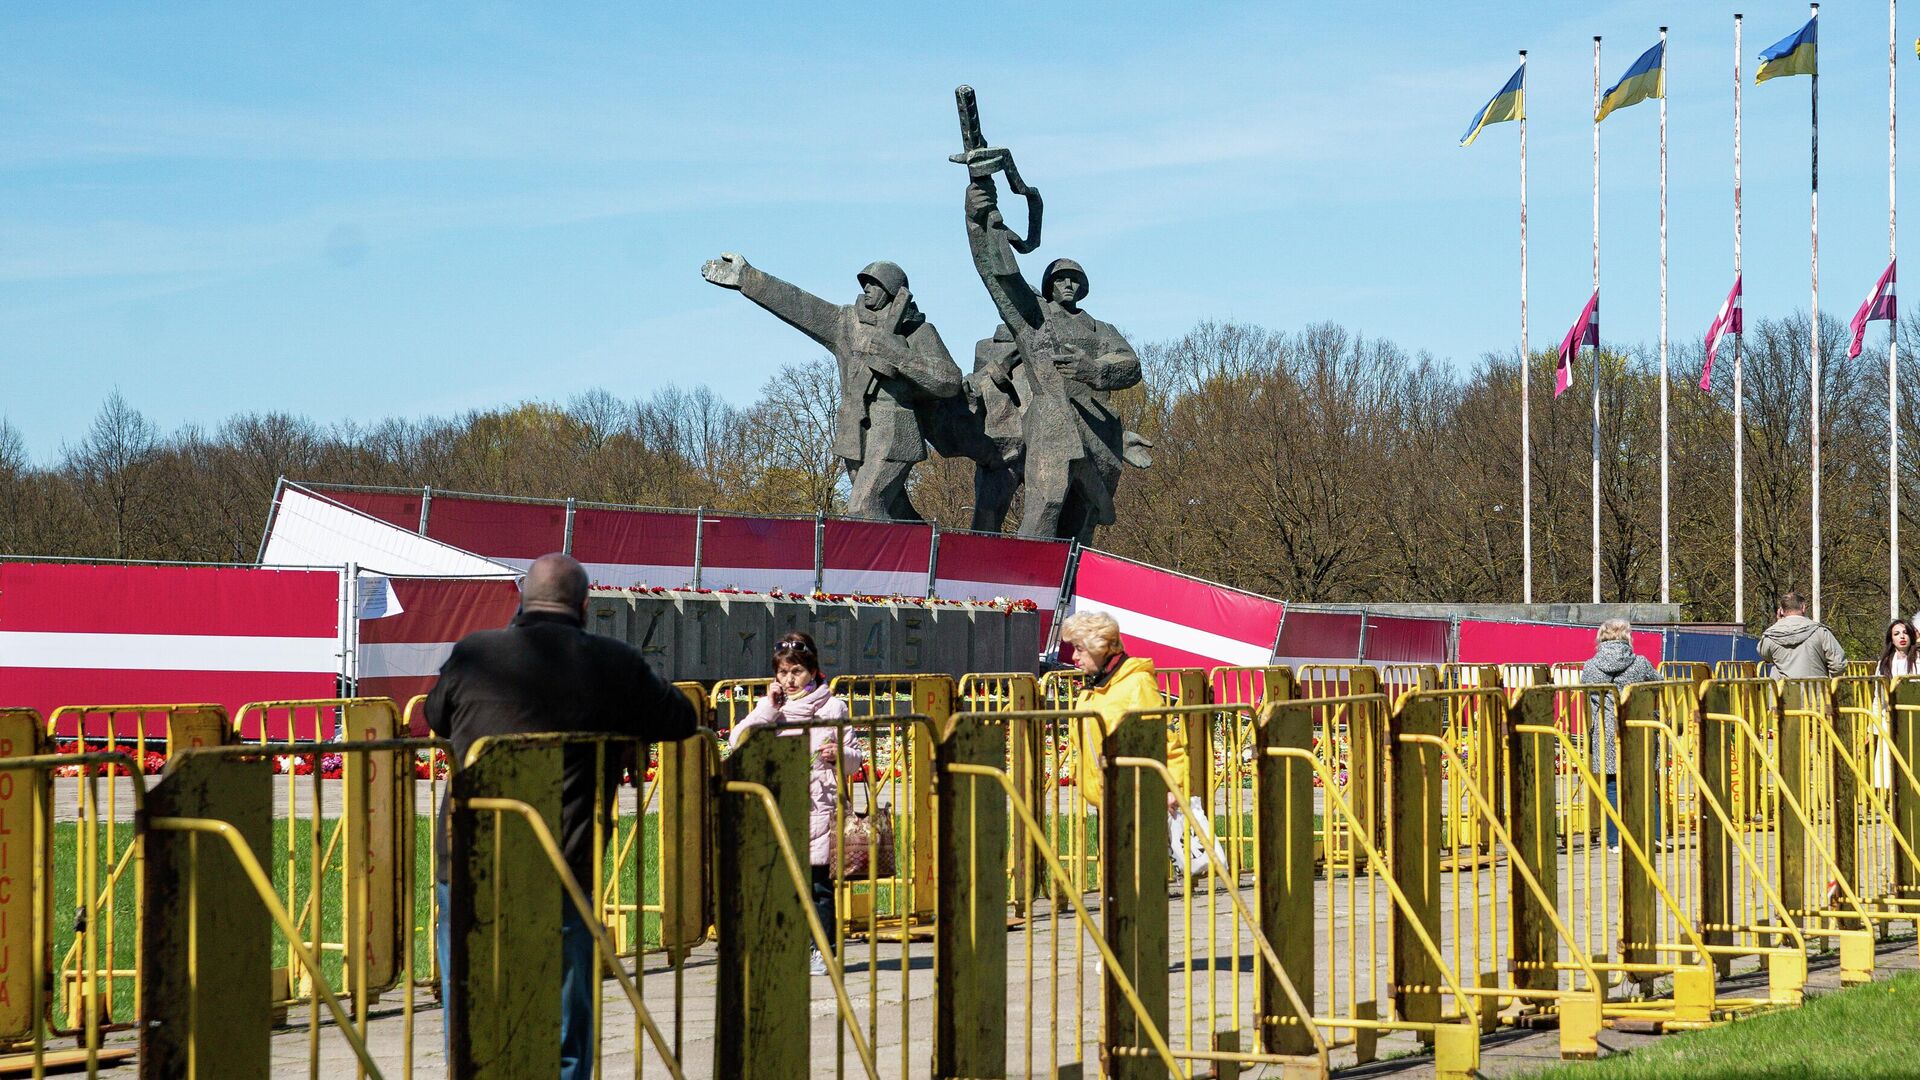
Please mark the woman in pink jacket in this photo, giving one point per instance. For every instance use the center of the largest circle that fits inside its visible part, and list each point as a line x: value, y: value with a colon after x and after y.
x: 800, y: 695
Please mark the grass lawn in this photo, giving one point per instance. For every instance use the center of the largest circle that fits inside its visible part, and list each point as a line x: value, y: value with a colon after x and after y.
x: 1865, y: 1033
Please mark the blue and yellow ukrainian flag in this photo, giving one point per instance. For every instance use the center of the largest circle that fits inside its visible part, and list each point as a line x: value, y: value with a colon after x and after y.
x: 1647, y: 78
x: 1791, y: 55
x: 1509, y: 104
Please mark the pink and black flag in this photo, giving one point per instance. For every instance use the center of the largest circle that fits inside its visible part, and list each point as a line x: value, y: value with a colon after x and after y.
x: 1586, y: 331
x: 1879, y: 307
x: 1728, y: 321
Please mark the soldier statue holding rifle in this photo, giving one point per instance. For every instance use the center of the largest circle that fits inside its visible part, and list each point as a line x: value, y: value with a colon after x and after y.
x: 1050, y: 365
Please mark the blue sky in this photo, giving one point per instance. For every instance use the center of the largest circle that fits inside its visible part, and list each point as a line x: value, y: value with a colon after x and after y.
x: 354, y: 211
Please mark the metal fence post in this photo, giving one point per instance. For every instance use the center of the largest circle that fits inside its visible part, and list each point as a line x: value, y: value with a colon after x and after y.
x: 1715, y: 741
x: 504, y: 904
x: 1790, y: 751
x: 1639, y: 786
x: 1904, y: 701
x: 933, y: 699
x: 970, y: 932
x: 1533, y: 827
x: 686, y: 834
x: 1413, y: 801
x: 1027, y: 764
x: 1133, y: 837
x: 1283, y: 875
x: 200, y: 894
x: 1194, y: 688
x: 26, y: 857
x: 761, y: 1016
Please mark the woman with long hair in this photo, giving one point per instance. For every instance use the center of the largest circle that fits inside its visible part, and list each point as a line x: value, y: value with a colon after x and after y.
x: 1901, y: 654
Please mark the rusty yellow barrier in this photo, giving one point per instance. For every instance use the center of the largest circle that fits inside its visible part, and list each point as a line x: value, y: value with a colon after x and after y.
x: 30, y: 870
x: 135, y: 731
x: 207, y: 904
x: 1350, y: 991
x: 343, y: 855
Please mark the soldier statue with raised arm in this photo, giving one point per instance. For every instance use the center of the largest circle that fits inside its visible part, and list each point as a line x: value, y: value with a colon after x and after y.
x: 1050, y: 362
x: 892, y: 365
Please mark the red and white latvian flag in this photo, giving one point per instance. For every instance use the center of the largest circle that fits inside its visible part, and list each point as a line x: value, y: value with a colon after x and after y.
x: 1586, y: 331
x: 1728, y: 321
x: 1878, y: 308
x: 1175, y: 620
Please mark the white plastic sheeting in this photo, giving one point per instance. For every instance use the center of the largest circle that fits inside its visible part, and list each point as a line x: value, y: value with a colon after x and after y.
x: 310, y: 530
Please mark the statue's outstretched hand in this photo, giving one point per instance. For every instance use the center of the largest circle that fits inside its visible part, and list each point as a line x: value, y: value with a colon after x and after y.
x: 724, y: 271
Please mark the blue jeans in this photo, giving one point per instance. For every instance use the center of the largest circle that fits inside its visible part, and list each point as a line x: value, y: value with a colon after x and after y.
x: 1653, y: 815
x: 579, y: 974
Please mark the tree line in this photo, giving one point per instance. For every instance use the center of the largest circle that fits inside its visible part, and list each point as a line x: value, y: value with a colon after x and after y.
x: 1316, y: 466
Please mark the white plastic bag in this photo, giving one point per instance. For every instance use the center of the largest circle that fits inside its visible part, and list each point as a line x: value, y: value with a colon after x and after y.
x: 1193, y: 852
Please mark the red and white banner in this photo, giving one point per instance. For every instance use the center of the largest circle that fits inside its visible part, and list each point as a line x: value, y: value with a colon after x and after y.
x: 976, y: 566
x: 878, y: 558
x: 400, y: 655
x: 635, y: 547
x: 1319, y: 637
x: 1176, y: 620
x: 307, y: 529
x: 75, y: 634
x: 1395, y: 639
x: 1484, y: 641
x: 756, y: 554
x: 514, y: 533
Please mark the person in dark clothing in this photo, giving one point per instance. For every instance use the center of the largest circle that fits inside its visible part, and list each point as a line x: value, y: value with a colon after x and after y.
x: 545, y: 673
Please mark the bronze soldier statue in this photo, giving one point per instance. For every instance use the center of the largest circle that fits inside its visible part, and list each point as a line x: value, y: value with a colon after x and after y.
x: 1050, y: 362
x: 892, y: 364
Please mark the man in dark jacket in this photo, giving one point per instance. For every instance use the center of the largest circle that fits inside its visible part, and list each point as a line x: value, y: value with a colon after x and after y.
x: 545, y: 673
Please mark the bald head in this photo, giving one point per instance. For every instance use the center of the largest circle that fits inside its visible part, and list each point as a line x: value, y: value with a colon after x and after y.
x: 555, y: 582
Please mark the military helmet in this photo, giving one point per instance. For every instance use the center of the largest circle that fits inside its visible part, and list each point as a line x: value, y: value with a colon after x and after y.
x: 887, y: 275
x: 1064, y: 266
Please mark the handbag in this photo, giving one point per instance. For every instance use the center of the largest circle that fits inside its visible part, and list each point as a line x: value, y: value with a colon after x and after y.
x: 864, y: 845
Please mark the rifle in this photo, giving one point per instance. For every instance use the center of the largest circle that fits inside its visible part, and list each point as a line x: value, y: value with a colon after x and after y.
x: 982, y: 160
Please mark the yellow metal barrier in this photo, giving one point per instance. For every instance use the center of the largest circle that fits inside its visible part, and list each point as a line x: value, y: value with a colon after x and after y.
x: 1875, y: 770
x: 33, y: 939
x: 509, y: 925
x: 1058, y: 689
x: 1687, y: 670
x: 206, y: 908
x: 1399, y: 680
x: 1332, y: 933
x: 136, y: 731
x: 341, y: 837
x: 896, y: 718
x: 1773, y: 732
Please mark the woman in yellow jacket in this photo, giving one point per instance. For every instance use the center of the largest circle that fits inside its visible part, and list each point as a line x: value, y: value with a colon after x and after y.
x: 1117, y: 684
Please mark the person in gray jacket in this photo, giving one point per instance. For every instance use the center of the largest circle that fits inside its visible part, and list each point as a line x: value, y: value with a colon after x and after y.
x: 1614, y: 661
x: 1798, y: 647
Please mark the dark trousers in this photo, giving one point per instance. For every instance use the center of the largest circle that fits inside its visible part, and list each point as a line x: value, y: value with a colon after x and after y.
x: 579, y: 975
x: 823, y: 899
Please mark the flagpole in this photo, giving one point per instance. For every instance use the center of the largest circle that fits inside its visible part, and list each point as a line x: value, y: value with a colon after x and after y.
x: 1813, y: 362
x: 1595, y: 366
x: 1893, y: 353
x: 1666, y: 577
x: 1526, y: 369
x: 1739, y: 395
